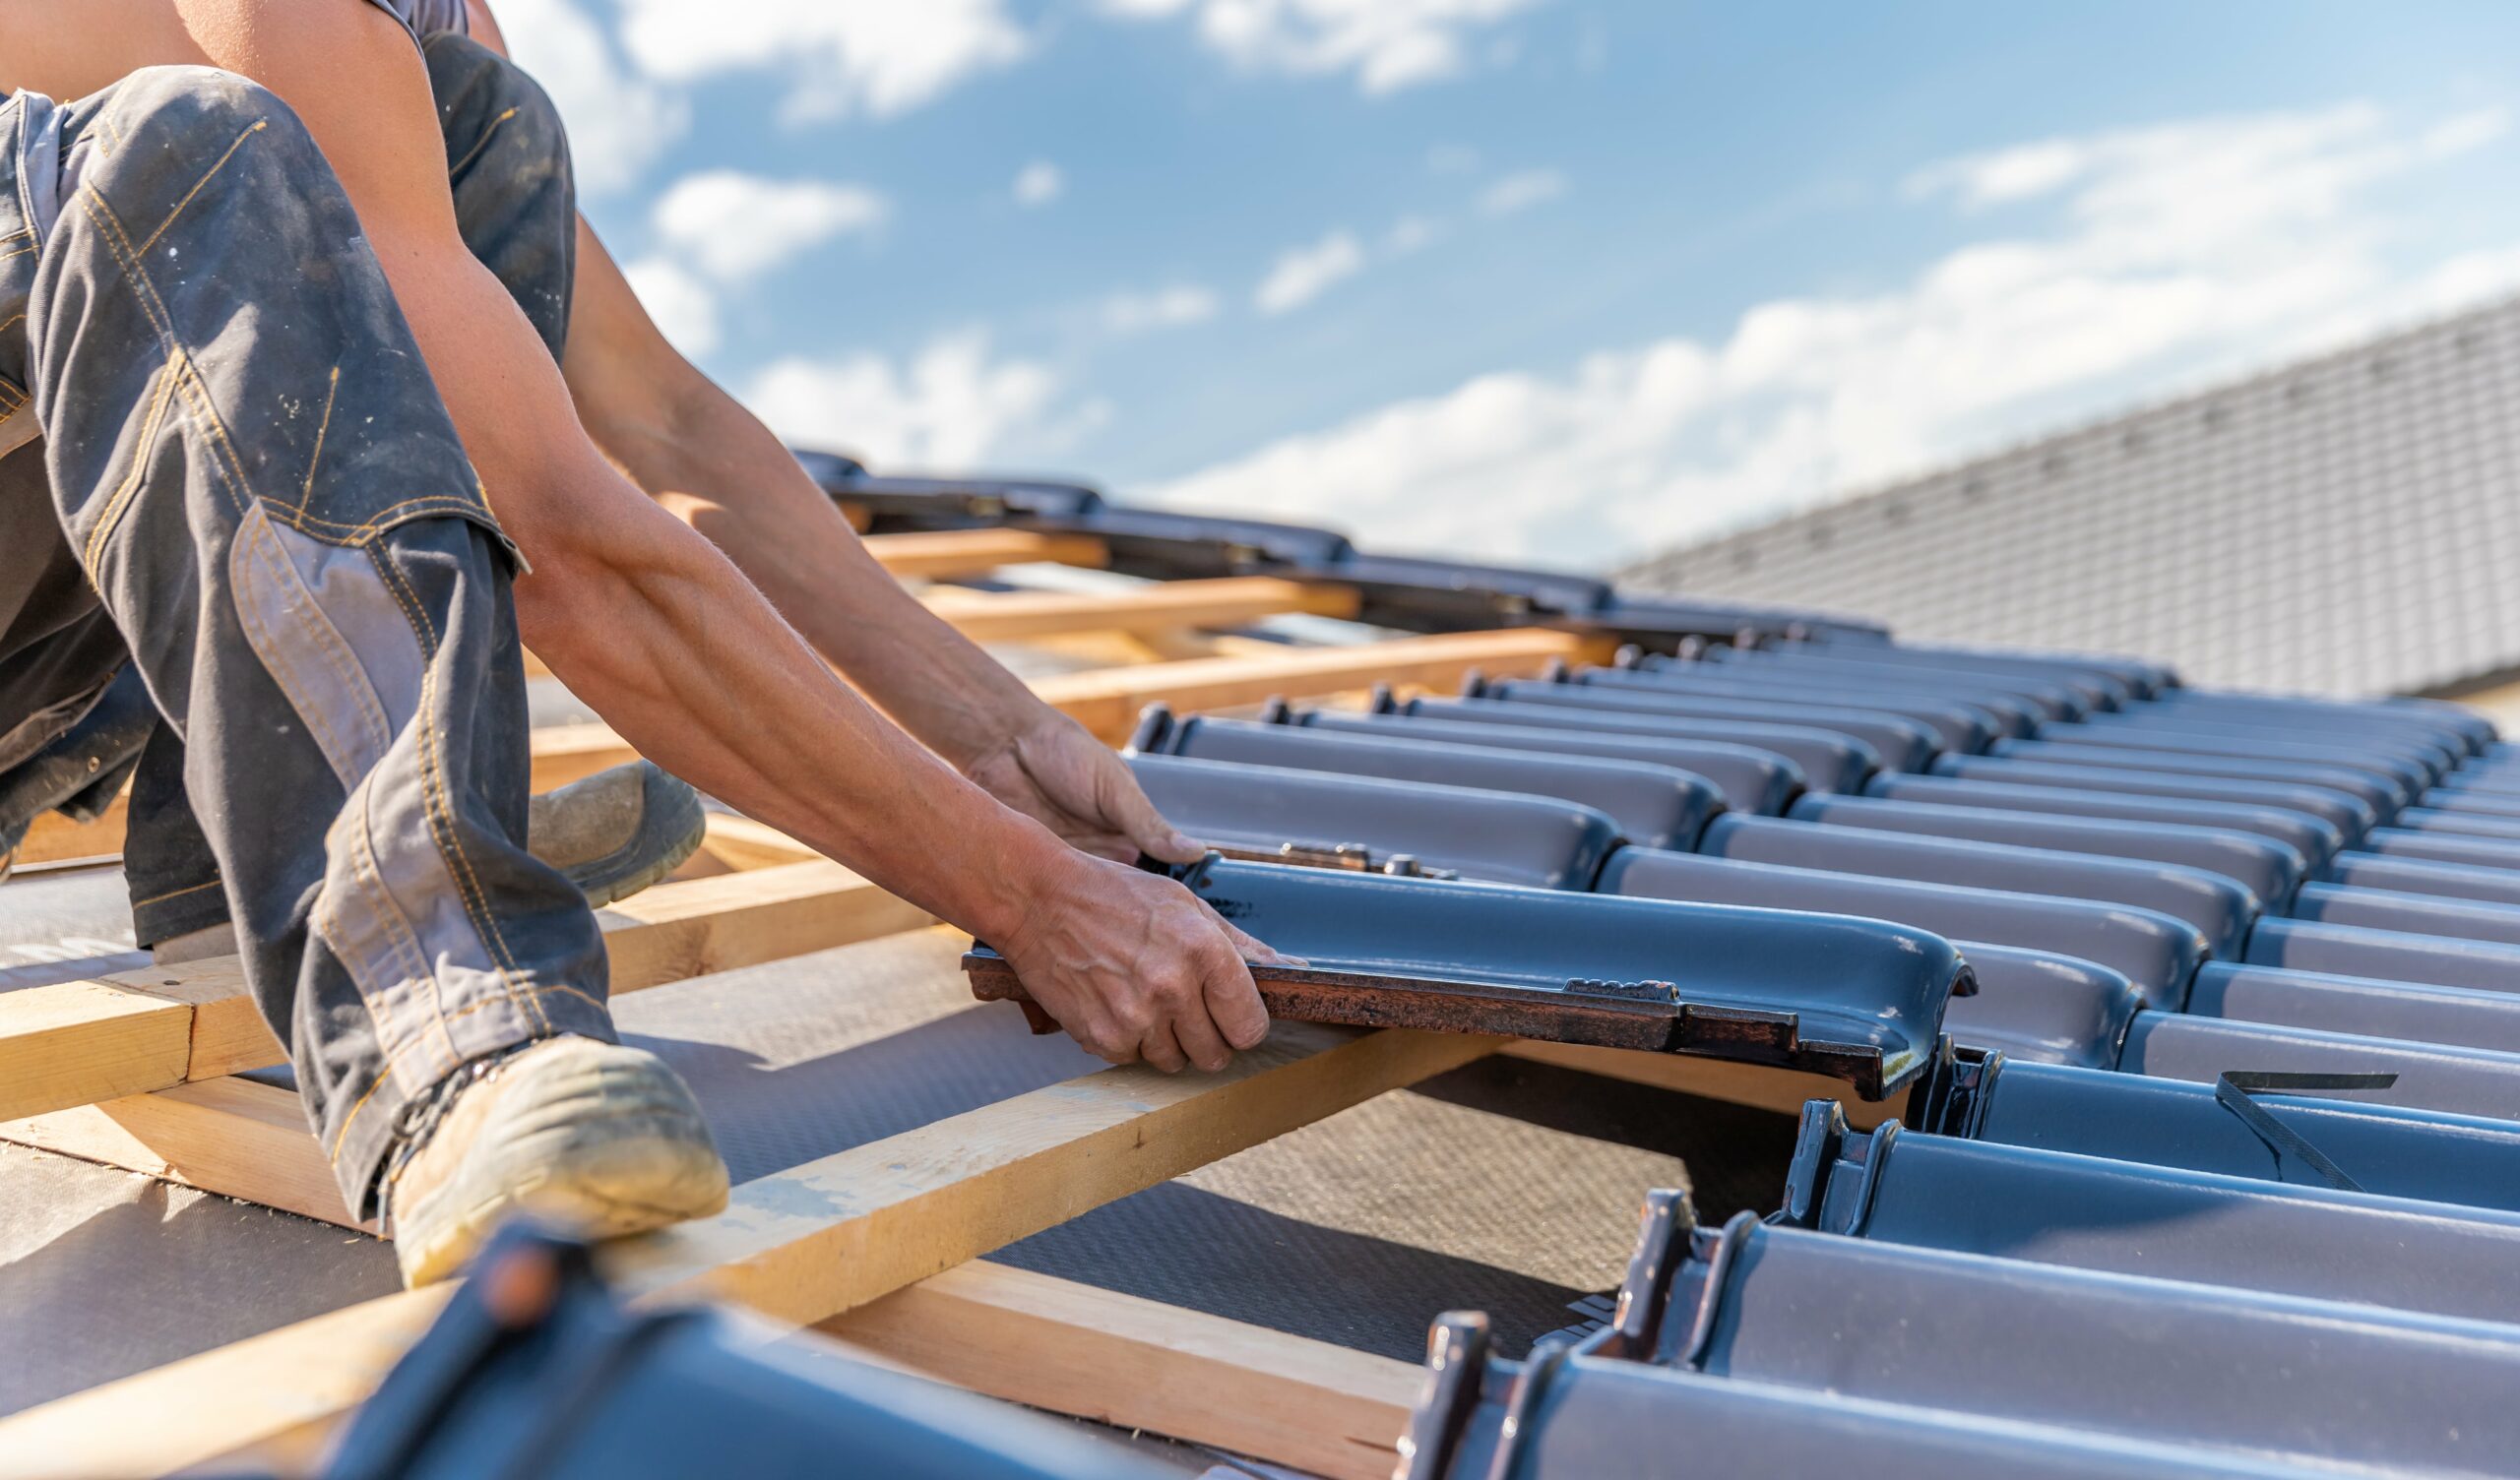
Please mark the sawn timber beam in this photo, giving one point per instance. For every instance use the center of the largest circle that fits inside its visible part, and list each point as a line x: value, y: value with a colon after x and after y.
x: 1106, y: 700
x: 946, y: 554
x: 1165, y: 606
x: 79, y: 1042
x: 800, y: 1247
x: 75, y: 1043
x: 1138, y: 1364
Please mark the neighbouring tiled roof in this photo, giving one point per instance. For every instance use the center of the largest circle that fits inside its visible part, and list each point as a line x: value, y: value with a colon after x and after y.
x: 2349, y: 525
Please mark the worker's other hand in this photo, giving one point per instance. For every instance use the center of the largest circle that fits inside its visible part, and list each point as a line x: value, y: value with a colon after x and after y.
x: 1136, y: 966
x: 1078, y: 788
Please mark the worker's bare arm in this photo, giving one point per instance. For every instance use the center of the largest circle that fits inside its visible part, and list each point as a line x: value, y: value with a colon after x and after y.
x: 656, y: 629
x: 486, y: 26
x: 716, y: 466
x: 713, y: 465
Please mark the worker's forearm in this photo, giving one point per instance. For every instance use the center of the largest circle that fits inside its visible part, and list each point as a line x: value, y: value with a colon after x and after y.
x: 645, y: 621
x: 751, y: 499
x: 682, y: 656
x: 654, y: 628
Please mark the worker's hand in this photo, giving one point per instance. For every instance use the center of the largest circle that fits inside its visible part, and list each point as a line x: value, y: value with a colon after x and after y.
x: 1072, y: 783
x: 1136, y: 966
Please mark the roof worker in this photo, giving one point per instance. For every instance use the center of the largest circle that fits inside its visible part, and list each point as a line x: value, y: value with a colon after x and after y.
x: 316, y: 398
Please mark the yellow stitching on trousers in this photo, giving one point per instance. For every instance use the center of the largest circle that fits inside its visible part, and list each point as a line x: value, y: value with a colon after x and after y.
x: 393, y: 1060
x: 348, y: 667
x: 405, y: 943
x: 441, y: 808
x: 387, y: 517
x: 256, y: 127
x: 208, y: 405
x: 476, y: 152
x: 175, y: 894
x: 282, y: 664
x: 412, y: 607
x: 197, y: 400
x: 197, y: 391
x: 385, y: 1069
x: 332, y: 392
x: 111, y: 516
x: 145, y: 294
x: 477, y: 901
x: 196, y: 395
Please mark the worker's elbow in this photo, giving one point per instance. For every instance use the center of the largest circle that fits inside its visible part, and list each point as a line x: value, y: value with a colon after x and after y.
x: 569, y: 546
x: 559, y: 593
x: 597, y: 555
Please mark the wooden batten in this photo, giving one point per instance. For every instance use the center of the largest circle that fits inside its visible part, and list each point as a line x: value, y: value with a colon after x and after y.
x: 79, y: 1041
x: 1108, y: 701
x: 55, y: 838
x: 742, y: 844
x: 800, y: 1247
x: 231, y: 1136
x: 878, y: 1246
x: 76, y: 1043
x: 1139, y: 1363
x: 1782, y: 1090
x: 1019, y: 616
x: 1030, y: 1338
x: 973, y: 552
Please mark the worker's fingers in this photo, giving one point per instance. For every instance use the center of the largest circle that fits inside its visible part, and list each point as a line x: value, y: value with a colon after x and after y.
x: 1162, y: 1050
x: 1232, y: 1002
x: 1253, y: 950
x: 1110, y: 1048
x: 1125, y: 806
x: 1097, y: 1031
x: 1197, y: 1034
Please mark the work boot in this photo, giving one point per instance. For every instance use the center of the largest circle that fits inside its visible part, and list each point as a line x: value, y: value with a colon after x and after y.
x: 601, y: 1139
x: 619, y: 831
x: 613, y: 834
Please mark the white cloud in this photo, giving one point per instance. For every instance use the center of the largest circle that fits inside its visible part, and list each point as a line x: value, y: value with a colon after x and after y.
x: 1303, y: 274
x: 1411, y: 234
x: 1388, y: 44
x: 2454, y: 136
x: 1038, y: 183
x: 684, y: 308
x: 1522, y: 191
x: 1174, y: 307
x: 2164, y: 253
x: 953, y: 405
x: 878, y: 57
x: 734, y: 226
x: 618, y: 122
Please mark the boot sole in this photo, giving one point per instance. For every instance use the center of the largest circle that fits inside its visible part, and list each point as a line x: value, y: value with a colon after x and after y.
x: 596, y: 1201
x: 672, y: 808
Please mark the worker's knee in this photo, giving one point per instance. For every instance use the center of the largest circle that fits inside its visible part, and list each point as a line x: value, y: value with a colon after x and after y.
x: 228, y: 131
x: 206, y: 98
x: 493, y: 112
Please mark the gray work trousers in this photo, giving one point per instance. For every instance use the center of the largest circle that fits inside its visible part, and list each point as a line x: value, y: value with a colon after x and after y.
x: 235, y: 435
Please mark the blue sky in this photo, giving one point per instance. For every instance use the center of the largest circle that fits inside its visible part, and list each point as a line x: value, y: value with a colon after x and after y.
x: 1556, y: 280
